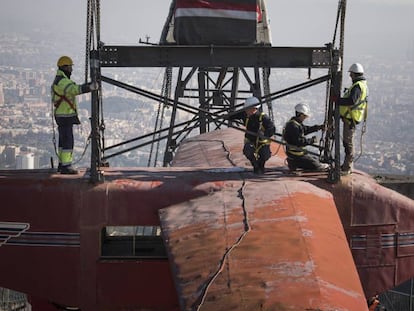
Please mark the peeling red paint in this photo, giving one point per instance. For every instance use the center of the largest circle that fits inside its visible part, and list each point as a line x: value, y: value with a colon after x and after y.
x: 279, y: 241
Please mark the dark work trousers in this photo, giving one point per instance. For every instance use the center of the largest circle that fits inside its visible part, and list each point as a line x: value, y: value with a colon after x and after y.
x: 66, y: 140
x: 263, y: 154
x: 306, y: 162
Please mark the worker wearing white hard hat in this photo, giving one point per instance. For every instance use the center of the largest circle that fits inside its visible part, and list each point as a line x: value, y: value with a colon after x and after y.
x: 303, y: 109
x: 259, y: 129
x: 353, y: 110
x: 251, y: 102
x: 294, y: 135
x: 356, y: 68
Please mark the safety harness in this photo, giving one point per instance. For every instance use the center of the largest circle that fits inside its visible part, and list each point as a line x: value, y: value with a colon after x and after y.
x: 357, y: 112
x: 294, y: 150
x: 259, y: 143
x: 61, y: 99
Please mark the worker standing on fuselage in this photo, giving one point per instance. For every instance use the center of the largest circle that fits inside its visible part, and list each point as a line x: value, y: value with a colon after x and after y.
x: 64, y: 92
x: 353, y: 110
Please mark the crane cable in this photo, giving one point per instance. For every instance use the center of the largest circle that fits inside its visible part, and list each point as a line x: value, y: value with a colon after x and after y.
x: 98, y: 42
x: 93, y: 19
x: 340, y: 18
x: 166, y: 93
x: 342, y: 7
x: 87, y: 54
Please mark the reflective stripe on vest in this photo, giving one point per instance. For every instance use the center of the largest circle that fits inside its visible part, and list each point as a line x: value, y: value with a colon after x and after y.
x: 64, y: 93
x: 356, y: 112
x: 295, y: 150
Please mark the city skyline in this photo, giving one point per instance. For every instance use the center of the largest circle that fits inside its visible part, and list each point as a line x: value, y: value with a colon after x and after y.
x: 36, y: 51
x: 382, y: 28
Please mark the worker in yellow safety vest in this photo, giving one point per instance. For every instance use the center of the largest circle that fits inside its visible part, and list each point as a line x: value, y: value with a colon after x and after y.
x: 353, y: 110
x: 64, y: 92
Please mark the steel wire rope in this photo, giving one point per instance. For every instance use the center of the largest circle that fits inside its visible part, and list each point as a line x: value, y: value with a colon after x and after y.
x: 165, y: 93
x: 87, y: 141
x: 100, y: 105
x: 87, y: 36
x: 89, y: 28
x: 361, y: 140
x: 327, y: 117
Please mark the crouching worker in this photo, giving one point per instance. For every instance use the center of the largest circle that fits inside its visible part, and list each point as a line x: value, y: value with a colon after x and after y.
x: 295, y: 136
x: 259, y: 129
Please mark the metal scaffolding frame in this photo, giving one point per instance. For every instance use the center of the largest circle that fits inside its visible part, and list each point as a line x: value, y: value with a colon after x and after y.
x: 213, y: 102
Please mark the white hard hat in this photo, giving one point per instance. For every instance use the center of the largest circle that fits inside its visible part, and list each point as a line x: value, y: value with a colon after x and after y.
x: 356, y: 68
x: 251, y: 102
x: 303, y: 108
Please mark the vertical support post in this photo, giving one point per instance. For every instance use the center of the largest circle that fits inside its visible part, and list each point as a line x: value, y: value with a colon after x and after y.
x: 96, y: 154
x: 171, y: 144
x: 234, y: 91
x: 335, y: 174
x: 256, y: 86
x: 202, y: 99
x: 234, y: 88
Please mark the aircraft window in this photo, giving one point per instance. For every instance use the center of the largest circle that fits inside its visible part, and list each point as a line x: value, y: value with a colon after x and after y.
x: 131, y: 242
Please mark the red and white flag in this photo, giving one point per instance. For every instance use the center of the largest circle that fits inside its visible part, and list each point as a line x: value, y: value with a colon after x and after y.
x: 215, y: 22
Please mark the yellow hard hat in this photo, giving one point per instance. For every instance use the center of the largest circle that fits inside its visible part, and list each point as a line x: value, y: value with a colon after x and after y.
x: 64, y: 61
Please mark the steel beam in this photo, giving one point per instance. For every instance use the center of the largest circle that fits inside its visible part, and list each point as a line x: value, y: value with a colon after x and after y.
x: 215, y: 56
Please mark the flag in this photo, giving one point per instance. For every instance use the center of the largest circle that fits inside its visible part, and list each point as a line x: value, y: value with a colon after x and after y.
x: 204, y: 22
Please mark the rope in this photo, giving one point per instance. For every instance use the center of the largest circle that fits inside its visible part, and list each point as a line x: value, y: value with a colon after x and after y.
x: 87, y: 47
x: 87, y: 142
x: 53, y: 124
x: 363, y: 131
x: 165, y: 92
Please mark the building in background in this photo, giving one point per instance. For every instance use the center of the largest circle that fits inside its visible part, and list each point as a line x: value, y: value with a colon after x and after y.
x: 26, y: 161
x: 1, y: 95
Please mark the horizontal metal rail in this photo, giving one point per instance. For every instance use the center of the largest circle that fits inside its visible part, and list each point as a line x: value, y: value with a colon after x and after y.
x: 215, y: 56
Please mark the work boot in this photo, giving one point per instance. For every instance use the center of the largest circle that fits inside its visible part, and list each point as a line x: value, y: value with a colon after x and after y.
x: 345, y: 170
x: 291, y: 165
x: 323, y: 167
x: 68, y: 170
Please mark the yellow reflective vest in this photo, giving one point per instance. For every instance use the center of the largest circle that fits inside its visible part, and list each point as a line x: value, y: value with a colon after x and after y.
x: 64, y: 92
x: 357, y: 111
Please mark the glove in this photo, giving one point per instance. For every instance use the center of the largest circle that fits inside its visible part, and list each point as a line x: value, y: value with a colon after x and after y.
x: 312, y: 141
x: 93, y: 86
x: 88, y: 87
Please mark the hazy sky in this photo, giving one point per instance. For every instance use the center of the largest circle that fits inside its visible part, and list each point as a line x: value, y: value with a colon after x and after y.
x: 379, y: 27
